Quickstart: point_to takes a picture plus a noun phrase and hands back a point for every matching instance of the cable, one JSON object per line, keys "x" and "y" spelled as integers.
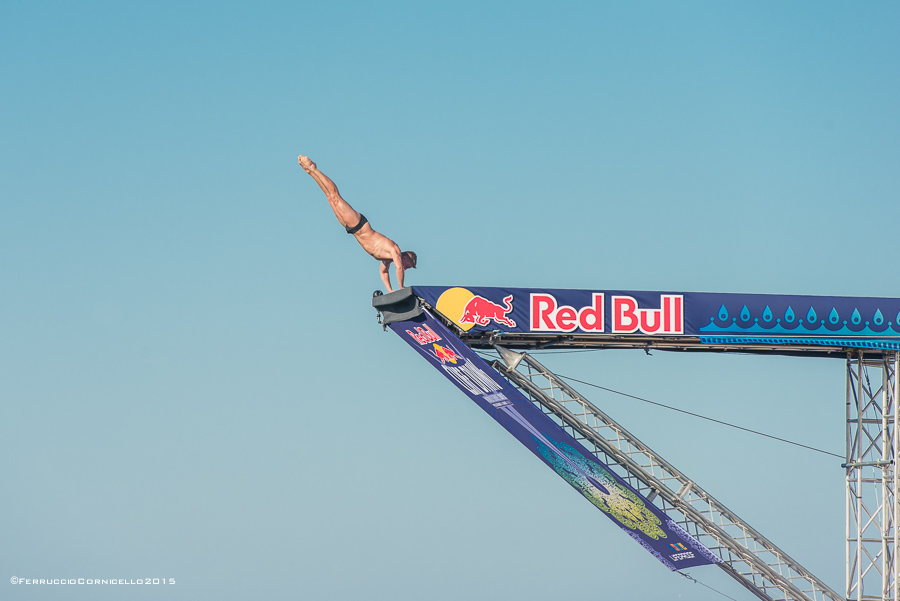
{"x": 637, "y": 398}
{"x": 695, "y": 581}
{"x": 757, "y": 432}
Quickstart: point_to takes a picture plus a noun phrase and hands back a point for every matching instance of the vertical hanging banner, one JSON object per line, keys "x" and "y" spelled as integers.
{"x": 622, "y": 504}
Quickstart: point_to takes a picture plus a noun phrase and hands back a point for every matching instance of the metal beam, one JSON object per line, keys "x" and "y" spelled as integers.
{"x": 747, "y": 556}
{"x": 526, "y": 341}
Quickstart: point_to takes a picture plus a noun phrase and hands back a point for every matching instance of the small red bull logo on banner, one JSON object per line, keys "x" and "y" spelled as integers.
{"x": 481, "y": 311}
{"x": 446, "y": 354}
{"x": 548, "y": 316}
{"x": 423, "y": 335}
{"x": 628, "y": 318}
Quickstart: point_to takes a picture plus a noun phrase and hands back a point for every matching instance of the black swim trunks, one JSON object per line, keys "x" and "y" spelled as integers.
{"x": 358, "y": 226}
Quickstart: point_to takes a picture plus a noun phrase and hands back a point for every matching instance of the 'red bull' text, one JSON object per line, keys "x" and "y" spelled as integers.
{"x": 547, "y": 315}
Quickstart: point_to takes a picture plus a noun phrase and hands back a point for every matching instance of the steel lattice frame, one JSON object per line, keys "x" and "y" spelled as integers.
{"x": 746, "y": 555}
{"x": 873, "y": 503}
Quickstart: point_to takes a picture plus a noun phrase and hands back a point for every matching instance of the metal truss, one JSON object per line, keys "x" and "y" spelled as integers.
{"x": 873, "y": 503}
{"x": 750, "y": 558}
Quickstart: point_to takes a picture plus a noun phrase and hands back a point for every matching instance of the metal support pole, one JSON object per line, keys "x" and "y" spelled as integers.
{"x": 893, "y": 382}
{"x": 873, "y": 503}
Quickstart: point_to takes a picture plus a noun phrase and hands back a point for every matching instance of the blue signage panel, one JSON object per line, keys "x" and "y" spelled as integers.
{"x": 629, "y": 510}
{"x": 715, "y": 318}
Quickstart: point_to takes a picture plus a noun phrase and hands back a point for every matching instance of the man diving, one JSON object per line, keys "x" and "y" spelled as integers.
{"x": 378, "y": 245}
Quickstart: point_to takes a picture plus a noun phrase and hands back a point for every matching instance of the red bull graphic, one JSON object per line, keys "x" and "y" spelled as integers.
{"x": 468, "y": 310}
{"x": 445, "y": 354}
{"x": 481, "y": 311}
{"x": 547, "y": 313}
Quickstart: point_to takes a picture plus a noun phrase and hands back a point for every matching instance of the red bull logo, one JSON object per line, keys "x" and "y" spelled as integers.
{"x": 547, "y": 315}
{"x": 446, "y": 354}
{"x": 481, "y": 311}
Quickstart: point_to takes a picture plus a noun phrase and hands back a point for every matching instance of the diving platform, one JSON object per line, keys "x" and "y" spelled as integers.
{"x": 648, "y": 498}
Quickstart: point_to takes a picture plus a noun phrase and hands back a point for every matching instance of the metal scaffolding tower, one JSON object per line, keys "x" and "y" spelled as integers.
{"x": 749, "y": 557}
{"x": 873, "y": 503}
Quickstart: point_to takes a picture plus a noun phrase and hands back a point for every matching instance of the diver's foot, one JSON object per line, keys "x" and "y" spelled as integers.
{"x": 306, "y": 163}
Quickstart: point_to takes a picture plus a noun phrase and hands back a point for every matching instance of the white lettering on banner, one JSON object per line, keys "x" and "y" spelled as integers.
{"x": 548, "y": 316}
{"x": 472, "y": 379}
{"x": 628, "y": 318}
{"x": 680, "y": 556}
{"x": 498, "y": 399}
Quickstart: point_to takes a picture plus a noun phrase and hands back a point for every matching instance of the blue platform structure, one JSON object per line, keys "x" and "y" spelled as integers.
{"x": 653, "y": 502}
{"x": 703, "y": 321}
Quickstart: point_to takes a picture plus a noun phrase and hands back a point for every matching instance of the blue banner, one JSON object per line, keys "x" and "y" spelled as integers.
{"x": 714, "y": 318}
{"x": 629, "y": 510}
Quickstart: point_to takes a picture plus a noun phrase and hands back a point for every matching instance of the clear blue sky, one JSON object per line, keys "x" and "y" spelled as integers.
{"x": 192, "y": 382}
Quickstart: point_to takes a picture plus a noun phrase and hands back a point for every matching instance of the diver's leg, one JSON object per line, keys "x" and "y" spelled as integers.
{"x": 346, "y": 215}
